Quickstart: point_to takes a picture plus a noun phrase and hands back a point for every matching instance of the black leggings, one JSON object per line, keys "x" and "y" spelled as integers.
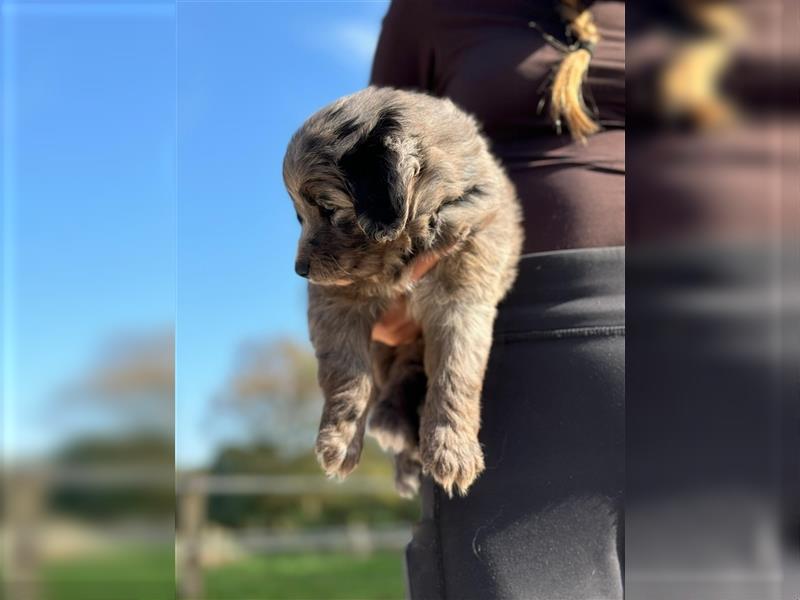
{"x": 545, "y": 520}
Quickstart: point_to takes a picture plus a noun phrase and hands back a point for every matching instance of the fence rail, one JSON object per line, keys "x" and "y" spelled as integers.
{"x": 274, "y": 485}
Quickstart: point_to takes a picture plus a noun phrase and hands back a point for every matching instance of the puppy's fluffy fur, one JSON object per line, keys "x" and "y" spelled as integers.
{"x": 379, "y": 178}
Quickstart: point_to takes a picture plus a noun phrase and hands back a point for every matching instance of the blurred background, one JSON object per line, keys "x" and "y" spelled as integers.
{"x": 158, "y": 390}
{"x": 711, "y": 498}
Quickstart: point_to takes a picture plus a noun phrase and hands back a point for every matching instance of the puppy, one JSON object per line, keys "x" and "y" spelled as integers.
{"x": 378, "y": 179}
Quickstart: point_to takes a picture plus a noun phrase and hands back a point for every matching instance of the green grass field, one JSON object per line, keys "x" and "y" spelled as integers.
{"x": 132, "y": 574}
{"x": 309, "y": 577}
{"x": 148, "y": 575}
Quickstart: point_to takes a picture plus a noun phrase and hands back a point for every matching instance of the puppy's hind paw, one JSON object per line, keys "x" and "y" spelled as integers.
{"x": 407, "y": 471}
{"x": 453, "y": 459}
{"x": 338, "y": 449}
{"x": 393, "y": 431}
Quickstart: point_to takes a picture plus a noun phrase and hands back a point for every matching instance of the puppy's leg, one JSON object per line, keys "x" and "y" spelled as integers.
{"x": 340, "y": 336}
{"x": 384, "y": 414}
{"x": 400, "y": 384}
{"x": 458, "y": 337}
{"x": 383, "y": 358}
{"x": 407, "y": 470}
{"x": 394, "y": 419}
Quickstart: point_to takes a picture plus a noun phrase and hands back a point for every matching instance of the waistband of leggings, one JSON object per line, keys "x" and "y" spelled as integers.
{"x": 566, "y": 293}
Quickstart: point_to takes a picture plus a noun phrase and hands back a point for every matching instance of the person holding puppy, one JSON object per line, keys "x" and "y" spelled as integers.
{"x": 546, "y": 82}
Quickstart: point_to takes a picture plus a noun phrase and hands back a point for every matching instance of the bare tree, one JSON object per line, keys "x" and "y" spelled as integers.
{"x": 273, "y": 391}
{"x": 130, "y": 382}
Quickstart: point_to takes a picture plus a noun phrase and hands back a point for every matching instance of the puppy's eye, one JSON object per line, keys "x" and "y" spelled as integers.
{"x": 326, "y": 212}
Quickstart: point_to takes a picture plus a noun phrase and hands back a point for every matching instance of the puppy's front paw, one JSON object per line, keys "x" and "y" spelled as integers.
{"x": 338, "y": 448}
{"x": 454, "y": 459}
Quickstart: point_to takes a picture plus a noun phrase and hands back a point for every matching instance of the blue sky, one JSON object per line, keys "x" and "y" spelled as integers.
{"x": 142, "y": 144}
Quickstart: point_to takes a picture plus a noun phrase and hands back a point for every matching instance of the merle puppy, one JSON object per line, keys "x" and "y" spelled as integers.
{"x": 378, "y": 179}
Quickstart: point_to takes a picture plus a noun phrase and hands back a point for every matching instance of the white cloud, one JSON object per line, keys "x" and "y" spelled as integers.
{"x": 351, "y": 43}
{"x": 356, "y": 41}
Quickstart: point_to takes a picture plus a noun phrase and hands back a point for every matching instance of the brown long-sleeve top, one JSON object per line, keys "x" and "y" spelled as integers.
{"x": 484, "y": 56}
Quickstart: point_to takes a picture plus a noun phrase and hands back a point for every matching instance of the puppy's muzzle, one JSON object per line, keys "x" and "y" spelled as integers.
{"x": 301, "y": 267}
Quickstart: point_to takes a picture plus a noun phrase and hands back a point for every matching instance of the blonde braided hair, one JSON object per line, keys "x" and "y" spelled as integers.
{"x": 566, "y": 94}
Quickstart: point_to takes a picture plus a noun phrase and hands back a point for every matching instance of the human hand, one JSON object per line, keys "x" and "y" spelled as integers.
{"x": 396, "y": 327}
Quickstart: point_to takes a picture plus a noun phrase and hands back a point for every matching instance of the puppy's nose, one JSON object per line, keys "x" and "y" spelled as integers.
{"x": 301, "y": 267}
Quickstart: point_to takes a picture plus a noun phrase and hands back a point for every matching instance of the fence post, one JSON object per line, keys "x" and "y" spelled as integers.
{"x": 192, "y": 516}
{"x": 24, "y": 497}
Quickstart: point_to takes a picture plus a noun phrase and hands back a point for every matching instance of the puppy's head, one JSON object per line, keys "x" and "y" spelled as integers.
{"x": 350, "y": 171}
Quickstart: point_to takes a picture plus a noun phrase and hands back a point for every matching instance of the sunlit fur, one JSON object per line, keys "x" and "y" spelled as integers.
{"x": 377, "y": 179}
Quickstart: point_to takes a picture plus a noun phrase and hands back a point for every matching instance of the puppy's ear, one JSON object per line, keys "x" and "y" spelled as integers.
{"x": 375, "y": 175}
